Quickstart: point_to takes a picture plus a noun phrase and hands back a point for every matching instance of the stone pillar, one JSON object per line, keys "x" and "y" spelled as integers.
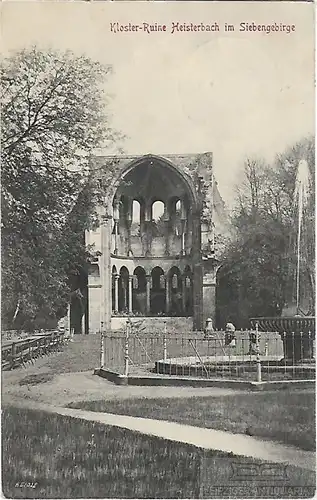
{"x": 183, "y": 242}
{"x": 183, "y": 278}
{"x": 105, "y": 273}
{"x": 148, "y": 229}
{"x": 124, "y": 294}
{"x": 197, "y": 275}
{"x": 130, "y": 292}
{"x": 129, "y": 223}
{"x": 209, "y": 295}
{"x": 116, "y": 224}
{"x": 116, "y": 237}
{"x": 116, "y": 292}
{"x": 167, "y": 294}
{"x": 167, "y": 237}
{"x": 183, "y": 226}
{"x": 148, "y": 293}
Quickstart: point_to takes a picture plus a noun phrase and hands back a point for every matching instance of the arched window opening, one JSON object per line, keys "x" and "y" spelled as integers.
{"x": 157, "y": 276}
{"x": 157, "y": 219}
{"x": 158, "y": 292}
{"x": 158, "y": 209}
{"x": 123, "y": 289}
{"x": 139, "y": 291}
{"x": 177, "y": 217}
{"x": 175, "y": 305}
{"x": 188, "y": 292}
{"x": 162, "y": 281}
{"x": 136, "y": 218}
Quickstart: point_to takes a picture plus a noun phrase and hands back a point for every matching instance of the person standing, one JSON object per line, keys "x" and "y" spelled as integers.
{"x": 230, "y": 336}
{"x": 209, "y": 329}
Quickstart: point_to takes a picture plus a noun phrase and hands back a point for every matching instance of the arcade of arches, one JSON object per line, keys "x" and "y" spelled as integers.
{"x": 150, "y": 245}
{"x": 154, "y": 293}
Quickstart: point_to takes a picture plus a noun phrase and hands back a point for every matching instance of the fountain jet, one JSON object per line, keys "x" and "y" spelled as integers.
{"x": 297, "y": 331}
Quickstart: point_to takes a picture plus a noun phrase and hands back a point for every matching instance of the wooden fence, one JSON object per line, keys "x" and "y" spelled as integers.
{"x": 20, "y": 352}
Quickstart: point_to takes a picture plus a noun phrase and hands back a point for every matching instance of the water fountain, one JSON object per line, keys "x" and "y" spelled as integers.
{"x": 296, "y": 329}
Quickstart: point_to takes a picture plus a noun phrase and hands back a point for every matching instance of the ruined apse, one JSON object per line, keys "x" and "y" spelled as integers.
{"x": 158, "y": 244}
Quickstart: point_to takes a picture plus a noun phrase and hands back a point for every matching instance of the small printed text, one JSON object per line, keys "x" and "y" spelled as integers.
{"x": 179, "y": 27}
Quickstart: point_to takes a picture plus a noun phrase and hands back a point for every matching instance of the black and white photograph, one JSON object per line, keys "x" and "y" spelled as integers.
{"x": 158, "y": 250}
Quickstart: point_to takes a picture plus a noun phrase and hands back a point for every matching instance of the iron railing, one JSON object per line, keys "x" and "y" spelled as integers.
{"x": 250, "y": 355}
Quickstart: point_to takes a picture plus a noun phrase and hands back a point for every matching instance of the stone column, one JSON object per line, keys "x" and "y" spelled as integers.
{"x": 183, "y": 278}
{"x": 209, "y": 294}
{"x": 129, "y": 223}
{"x": 116, "y": 292}
{"x": 167, "y": 294}
{"x": 188, "y": 233}
{"x": 148, "y": 229}
{"x": 130, "y": 291}
{"x": 183, "y": 226}
{"x": 148, "y": 293}
{"x": 116, "y": 223}
{"x": 183, "y": 243}
{"x": 105, "y": 273}
{"x": 167, "y": 237}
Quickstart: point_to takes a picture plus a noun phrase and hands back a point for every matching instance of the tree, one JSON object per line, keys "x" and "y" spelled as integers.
{"x": 53, "y": 116}
{"x": 257, "y": 276}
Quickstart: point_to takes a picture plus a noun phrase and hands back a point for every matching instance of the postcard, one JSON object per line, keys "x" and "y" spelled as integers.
{"x": 158, "y": 250}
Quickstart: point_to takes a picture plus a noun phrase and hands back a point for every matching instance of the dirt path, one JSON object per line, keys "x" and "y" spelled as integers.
{"x": 58, "y": 378}
{"x": 238, "y": 444}
{"x": 84, "y": 386}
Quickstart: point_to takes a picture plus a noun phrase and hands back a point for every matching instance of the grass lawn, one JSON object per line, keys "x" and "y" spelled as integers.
{"x": 286, "y": 416}
{"x": 51, "y": 456}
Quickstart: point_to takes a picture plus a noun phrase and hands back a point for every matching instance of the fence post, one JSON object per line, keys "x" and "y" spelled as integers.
{"x": 102, "y": 346}
{"x": 164, "y": 343}
{"x": 126, "y": 351}
{"x": 258, "y": 360}
{"x": 13, "y": 354}
{"x": 266, "y": 349}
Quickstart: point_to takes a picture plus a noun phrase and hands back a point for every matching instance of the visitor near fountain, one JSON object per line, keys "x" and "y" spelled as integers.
{"x": 230, "y": 336}
{"x": 209, "y": 329}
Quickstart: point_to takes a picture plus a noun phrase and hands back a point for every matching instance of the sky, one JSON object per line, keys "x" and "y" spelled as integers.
{"x": 235, "y": 94}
